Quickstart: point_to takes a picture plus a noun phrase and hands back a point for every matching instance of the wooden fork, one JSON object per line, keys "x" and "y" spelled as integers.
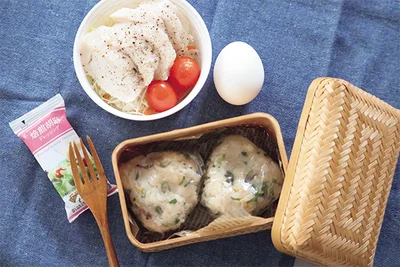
{"x": 93, "y": 190}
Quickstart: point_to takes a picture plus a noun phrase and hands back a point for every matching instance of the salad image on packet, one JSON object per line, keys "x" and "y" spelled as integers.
{"x": 47, "y": 133}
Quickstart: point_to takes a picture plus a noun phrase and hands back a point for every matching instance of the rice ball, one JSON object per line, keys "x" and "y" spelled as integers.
{"x": 163, "y": 188}
{"x": 240, "y": 177}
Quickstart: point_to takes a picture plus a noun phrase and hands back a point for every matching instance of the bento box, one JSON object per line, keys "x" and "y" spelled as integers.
{"x": 260, "y": 128}
{"x": 336, "y": 184}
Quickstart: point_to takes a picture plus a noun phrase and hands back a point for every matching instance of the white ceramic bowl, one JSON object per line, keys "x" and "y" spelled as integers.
{"x": 99, "y": 15}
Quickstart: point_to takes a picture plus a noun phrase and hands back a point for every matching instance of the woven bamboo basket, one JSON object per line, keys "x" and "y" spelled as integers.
{"x": 260, "y": 128}
{"x": 339, "y": 177}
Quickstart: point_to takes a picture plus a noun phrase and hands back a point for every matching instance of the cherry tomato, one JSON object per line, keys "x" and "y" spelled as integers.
{"x": 58, "y": 172}
{"x": 184, "y": 74}
{"x": 161, "y": 96}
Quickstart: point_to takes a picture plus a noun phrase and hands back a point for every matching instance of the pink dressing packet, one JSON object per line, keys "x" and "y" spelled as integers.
{"x": 47, "y": 133}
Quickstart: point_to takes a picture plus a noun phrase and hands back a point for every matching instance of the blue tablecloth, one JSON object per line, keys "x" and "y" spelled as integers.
{"x": 297, "y": 40}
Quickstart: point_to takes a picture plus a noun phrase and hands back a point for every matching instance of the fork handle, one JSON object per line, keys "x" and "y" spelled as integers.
{"x": 105, "y": 233}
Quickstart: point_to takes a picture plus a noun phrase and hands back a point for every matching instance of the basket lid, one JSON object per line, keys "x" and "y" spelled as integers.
{"x": 339, "y": 176}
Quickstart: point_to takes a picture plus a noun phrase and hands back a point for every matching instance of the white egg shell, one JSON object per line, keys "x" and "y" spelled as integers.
{"x": 238, "y": 73}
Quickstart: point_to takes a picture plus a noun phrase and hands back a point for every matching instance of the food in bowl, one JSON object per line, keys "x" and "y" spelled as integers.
{"x": 141, "y": 47}
{"x": 240, "y": 177}
{"x": 163, "y": 188}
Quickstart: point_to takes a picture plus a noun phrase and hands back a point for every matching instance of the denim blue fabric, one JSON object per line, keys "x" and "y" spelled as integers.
{"x": 297, "y": 41}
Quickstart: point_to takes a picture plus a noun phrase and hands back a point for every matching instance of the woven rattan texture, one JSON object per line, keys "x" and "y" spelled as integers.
{"x": 343, "y": 176}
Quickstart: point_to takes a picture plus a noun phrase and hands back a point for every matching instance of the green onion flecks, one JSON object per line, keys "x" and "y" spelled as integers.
{"x": 164, "y": 164}
{"x": 165, "y": 187}
{"x": 183, "y": 180}
{"x": 221, "y": 159}
{"x": 159, "y": 210}
{"x": 143, "y": 193}
{"x": 188, "y": 183}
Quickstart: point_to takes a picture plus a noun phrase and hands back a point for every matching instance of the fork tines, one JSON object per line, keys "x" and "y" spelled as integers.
{"x": 75, "y": 156}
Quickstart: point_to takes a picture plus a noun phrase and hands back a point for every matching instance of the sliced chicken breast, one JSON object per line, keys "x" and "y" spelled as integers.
{"x": 164, "y": 15}
{"x": 138, "y": 15}
{"x": 176, "y": 31}
{"x": 149, "y": 48}
{"x": 129, "y": 40}
{"x": 115, "y": 73}
{"x": 95, "y": 40}
{"x": 161, "y": 47}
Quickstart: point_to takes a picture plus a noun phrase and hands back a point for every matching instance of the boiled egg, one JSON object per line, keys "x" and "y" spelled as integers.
{"x": 238, "y": 73}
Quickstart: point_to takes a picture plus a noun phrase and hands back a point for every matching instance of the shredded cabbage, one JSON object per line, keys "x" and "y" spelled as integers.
{"x": 137, "y": 107}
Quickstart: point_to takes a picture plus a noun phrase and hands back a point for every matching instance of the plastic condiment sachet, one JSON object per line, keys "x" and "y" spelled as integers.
{"x": 47, "y": 133}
